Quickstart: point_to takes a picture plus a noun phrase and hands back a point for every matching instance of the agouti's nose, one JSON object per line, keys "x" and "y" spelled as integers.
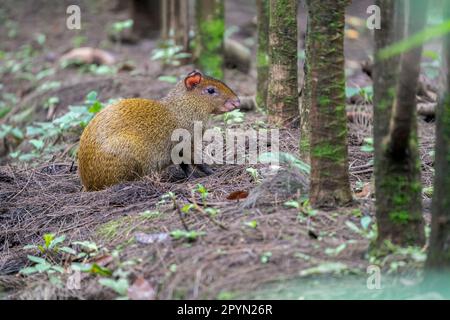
{"x": 237, "y": 103}
{"x": 232, "y": 104}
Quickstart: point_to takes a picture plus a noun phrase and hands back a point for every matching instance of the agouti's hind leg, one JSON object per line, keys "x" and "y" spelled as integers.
{"x": 193, "y": 170}
{"x": 204, "y": 168}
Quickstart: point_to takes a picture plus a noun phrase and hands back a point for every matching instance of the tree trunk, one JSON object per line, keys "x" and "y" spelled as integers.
{"x": 175, "y": 22}
{"x": 397, "y": 164}
{"x": 305, "y": 105}
{"x": 210, "y": 37}
{"x": 330, "y": 184}
{"x": 439, "y": 248}
{"x": 146, "y": 15}
{"x": 282, "y": 96}
{"x": 262, "y": 55}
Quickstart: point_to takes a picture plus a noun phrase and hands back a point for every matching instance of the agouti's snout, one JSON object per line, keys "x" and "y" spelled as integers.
{"x": 232, "y": 104}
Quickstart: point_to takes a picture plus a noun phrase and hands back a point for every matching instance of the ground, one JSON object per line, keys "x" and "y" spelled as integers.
{"x": 260, "y": 246}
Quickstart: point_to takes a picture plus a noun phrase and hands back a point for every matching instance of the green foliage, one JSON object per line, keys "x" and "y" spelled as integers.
{"x": 335, "y": 251}
{"x": 254, "y": 174}
{"x": 119, "y": 286}
{"x": 253, "y": 224}
{"x": 368, "y": 229}
{"x": 368, "y": 145}
{"x": 233, "y": 117}
{"x": 169, "y": 54}
{"x": 186, "y": 235}
{"x": 43, "y": 135}
{"x": 265, "y": 257}
{"x": 120, "y": 26}
{"x": 169, "y": 79}
{"x": 365, "y": 92}
{"x": 203, "y": 191}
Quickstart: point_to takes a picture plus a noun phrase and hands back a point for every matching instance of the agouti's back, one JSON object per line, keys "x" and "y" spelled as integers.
{"x": 132, "y": 138}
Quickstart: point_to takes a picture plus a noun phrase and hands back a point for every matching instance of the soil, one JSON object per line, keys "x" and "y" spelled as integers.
{"x": 240, "y": 249}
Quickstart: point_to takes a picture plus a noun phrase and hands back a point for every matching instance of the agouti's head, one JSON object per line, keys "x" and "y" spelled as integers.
{"x": 212, "y": 92}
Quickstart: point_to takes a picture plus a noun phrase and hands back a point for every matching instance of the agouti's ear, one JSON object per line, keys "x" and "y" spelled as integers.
{"x": 192, "y": 79}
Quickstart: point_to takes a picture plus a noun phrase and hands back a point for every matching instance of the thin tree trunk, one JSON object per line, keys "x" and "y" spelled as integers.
{"x": 305, "y": 105}
{"x": 209, "y": 43}
{"x": 439, "y": 248}
{"x": 282, "y": 96}
{"x": 397, "y": 164}
{"x": 262, "y": 55}
{"x": 330, "y": 184}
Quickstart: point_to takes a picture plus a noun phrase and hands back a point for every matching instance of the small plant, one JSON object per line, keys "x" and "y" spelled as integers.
{"x": 233, "y": 117}
{"x": 203, "y": 191}
{"x": 41, "y": 265}
{"x": 119, "y": 27}
{"x": 304, "y": 208}
{"x": 251, "y": 224}
{"x": 254, "y": 174}
{"x": 43, "y": 136}
{"x": 335, "y": 251}
{"x": 169, "y": 53}
{"x": 265, "y": 257}
{"x": 186, "y": 235}
{"x": 367, "y": 230}
{"x": 368, "y": 145}
{"x": 51, "y": 244}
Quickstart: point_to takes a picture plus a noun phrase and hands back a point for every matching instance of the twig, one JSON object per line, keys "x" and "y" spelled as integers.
{"x": 200, "y": 209}
{"x": 180, "y": 213}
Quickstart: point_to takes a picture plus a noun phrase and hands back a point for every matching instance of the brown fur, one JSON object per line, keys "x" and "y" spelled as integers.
{"x": 132, "y": 137}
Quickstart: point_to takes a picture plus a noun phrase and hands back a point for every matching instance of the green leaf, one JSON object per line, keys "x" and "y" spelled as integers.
{"x": 68, "y": 250}
{"x": 28, "y": 270}
{"x": 292, "y": 204}
{"x": 91, "y": 97}
{"x": 365, "y": 222}
{"x": 95, "y": 107}
{"x": 335, "y": 251}
{"x": 37, "y": 259}
{"x": 265, "y": 257}
{"x": 187, "y": 207}
{"x": 38, "y": 144}
{"x": 352, "y": 227}
{"x": 48, "y": 238}
{"x": 58, "y": 269}
{"x": 57, "y": 241}
{"x": 252, "y": 224}
{"x": 42, "y": 267}
{"x": 120, "y": 286}
{"x": 169, "y": 79}
{"x": 415, "y": 40}
{"x": 102, "y": 271}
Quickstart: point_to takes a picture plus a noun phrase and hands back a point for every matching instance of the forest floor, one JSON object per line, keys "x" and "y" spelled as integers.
{"x": 261, "y": 246}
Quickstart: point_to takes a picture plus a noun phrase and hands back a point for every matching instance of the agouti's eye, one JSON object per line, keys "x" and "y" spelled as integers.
{"x": 211, "y": 90}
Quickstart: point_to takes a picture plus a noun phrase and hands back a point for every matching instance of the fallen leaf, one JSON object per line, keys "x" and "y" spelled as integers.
{"x": 146, "y": 238}
{"x": 236, "y": 195}
{"x": 365, "y": 192}
{"x": 352, "y": 34}
{"x": 141, "y": 289}
{"x": 89, "y": 55}
{"x": 103, "y": 260}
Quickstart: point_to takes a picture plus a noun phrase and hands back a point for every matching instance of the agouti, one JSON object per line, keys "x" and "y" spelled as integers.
{"x": 132, "y": 138}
